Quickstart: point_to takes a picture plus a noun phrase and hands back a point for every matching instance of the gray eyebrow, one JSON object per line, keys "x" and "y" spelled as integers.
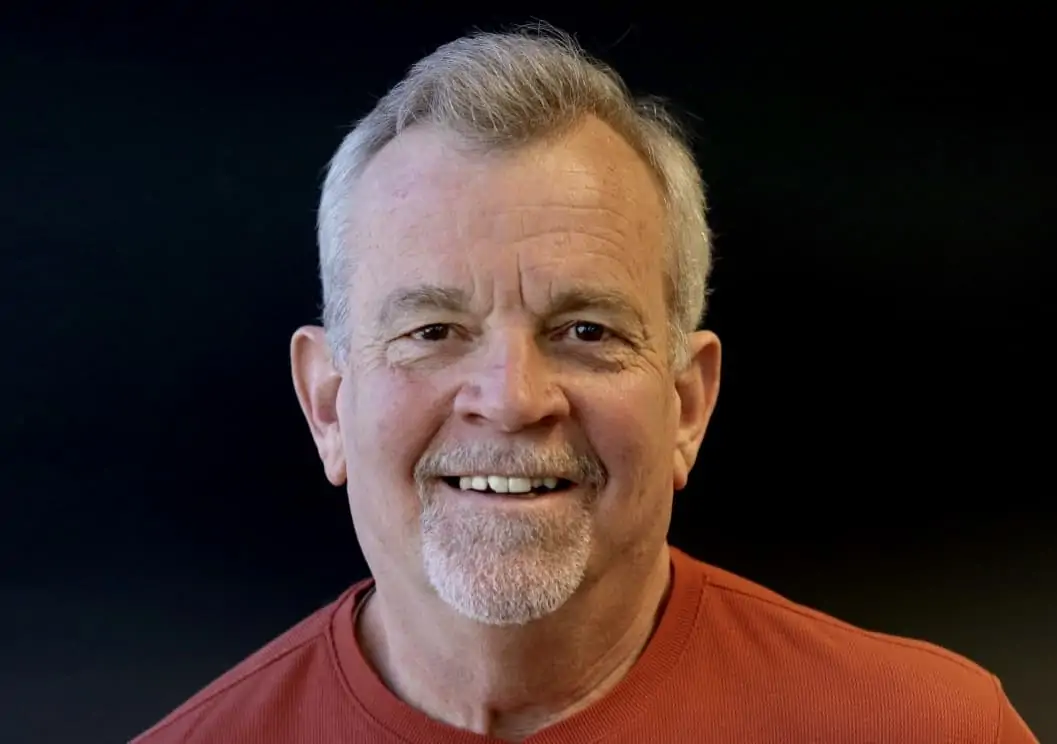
{"x": 577, "y": 299}
{"x": 409, "y": 300}
{"x": 423, "y": 297}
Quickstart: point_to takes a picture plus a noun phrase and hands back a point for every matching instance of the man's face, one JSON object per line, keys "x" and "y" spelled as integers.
{"x": 509, "y": 319}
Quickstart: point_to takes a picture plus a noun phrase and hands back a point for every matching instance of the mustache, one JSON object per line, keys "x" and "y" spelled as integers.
{"x": 523, "y": 460}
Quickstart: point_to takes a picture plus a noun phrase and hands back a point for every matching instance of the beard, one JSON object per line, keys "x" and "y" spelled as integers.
{"x": 506, "y": 566}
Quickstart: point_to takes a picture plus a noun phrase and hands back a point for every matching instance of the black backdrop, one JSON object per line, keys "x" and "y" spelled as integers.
{"x": 882, "y": 195}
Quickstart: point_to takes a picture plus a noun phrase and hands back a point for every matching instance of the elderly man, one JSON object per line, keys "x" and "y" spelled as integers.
{"x": 511, "y": 383}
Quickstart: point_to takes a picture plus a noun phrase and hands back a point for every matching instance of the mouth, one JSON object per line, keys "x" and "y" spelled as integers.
{"x": 504, "y": 485}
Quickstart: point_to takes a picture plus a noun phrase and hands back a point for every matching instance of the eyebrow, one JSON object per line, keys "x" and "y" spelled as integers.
{"x": 410, "y": 300}
{"x": 425, "y": 297}
{"x": 607, "y": 301}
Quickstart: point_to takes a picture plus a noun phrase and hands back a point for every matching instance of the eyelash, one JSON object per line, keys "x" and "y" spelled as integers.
{"x": 608, "y": 333}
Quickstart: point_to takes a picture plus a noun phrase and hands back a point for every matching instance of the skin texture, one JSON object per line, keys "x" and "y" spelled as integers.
{"x": 546, "y": 346}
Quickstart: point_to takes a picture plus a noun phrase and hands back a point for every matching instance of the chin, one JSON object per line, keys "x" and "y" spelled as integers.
{"x": 505, "y": 566}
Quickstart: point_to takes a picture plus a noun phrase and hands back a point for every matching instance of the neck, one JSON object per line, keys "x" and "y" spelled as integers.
{"x": 509, "y": 682}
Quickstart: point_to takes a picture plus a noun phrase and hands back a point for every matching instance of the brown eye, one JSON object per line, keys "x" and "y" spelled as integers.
{"x": 435, "y": 332}
{"x": 589, "y": 332}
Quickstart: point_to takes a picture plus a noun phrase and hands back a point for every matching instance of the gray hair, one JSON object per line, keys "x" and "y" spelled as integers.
{"x": 502, "y": 91}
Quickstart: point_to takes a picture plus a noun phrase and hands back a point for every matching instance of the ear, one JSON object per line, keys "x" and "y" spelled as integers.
{"x": 696, "y": 387}
{"x": 316, "y": 382}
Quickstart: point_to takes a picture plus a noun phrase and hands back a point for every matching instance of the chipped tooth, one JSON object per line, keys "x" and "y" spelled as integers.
{"x": 498, "y": 483}
{"x": 551, "y": 483}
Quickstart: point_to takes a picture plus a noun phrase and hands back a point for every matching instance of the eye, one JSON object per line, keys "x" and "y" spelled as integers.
{"x": 434, "y": 332}
{"x": 589, "y": 332}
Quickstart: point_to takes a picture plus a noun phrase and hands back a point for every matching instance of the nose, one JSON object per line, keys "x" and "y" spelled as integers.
{"x": 512, "y": 385}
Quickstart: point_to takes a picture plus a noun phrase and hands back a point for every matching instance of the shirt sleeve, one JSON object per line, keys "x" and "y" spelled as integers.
{"x": 1011, "y": 727}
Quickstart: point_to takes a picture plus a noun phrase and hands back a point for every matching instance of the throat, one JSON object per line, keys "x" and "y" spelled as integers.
{"x": 510, "y": 683}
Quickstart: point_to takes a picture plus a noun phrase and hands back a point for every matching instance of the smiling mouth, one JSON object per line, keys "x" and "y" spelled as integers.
{"x": 506, "y": 485}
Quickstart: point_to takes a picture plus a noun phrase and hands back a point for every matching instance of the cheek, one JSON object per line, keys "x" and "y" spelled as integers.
{"x": 392, "y": 420}
{"x": 386, "y": 427}
{"x": 633, "y": 432}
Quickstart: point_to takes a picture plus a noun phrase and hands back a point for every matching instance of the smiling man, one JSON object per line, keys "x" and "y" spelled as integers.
{"x": 511, "y": 384}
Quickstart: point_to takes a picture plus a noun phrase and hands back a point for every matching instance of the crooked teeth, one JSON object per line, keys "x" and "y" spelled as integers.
{"x": 499, "y": 484}
{"x": 505, "y": 484}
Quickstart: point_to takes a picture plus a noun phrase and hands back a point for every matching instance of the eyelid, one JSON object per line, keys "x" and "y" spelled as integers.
{"x": 610, "y": 331}
{"x": 561, "y": 330}
{"x": 453, "y": 328}
{"x": 426, "y": 326}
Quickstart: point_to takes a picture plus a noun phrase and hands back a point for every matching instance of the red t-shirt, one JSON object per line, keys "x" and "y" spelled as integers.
{"x": 730, "y": 661}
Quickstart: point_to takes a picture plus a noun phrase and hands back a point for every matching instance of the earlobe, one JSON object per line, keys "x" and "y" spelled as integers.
{"x": 697, "y": 388}
{"x": 316, "y": 383}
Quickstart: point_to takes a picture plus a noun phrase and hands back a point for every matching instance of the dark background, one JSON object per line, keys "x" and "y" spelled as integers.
{"x": 882, "y": 192}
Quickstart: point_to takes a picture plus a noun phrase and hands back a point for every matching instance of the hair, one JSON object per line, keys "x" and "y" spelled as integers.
{"x": 501, "y": 91}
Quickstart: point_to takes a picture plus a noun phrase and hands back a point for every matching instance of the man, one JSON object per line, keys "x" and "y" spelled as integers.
{"x": 511, "y": 384}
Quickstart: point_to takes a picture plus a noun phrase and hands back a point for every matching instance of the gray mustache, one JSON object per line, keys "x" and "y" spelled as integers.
{"x": 521, "y": 460}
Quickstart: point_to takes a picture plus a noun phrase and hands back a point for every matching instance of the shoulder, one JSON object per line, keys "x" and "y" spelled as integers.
{"x": 918, "y": 688}
{"x": 259, "y": 684}
{"x": 743, "y": 600}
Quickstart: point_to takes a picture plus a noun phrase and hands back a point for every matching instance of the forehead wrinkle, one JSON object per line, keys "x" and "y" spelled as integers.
{"x": 541, "y": 219}
{"x": 406, "y": 204}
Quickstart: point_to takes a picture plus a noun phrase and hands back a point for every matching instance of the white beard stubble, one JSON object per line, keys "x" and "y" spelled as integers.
{"x": 504, "y": 566}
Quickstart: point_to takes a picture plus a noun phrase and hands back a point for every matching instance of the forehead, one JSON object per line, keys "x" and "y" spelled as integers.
{"x": 583, "y": 206}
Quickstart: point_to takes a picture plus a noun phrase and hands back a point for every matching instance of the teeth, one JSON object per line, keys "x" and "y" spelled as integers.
{"x": 518, "y": 485}
{"x": 505, "y": 484}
